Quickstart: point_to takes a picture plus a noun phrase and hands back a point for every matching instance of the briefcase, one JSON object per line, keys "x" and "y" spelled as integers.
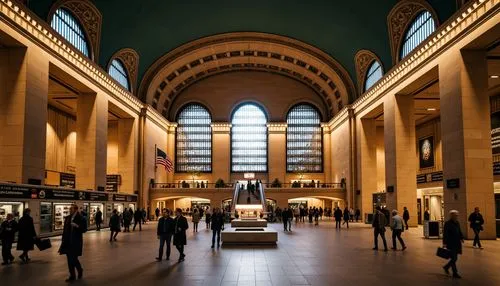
{"x": 43, "y": 244}
{"x": 443, "y": 253}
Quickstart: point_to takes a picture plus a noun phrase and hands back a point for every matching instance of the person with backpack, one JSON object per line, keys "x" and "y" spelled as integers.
{"x": 378, "y": 224}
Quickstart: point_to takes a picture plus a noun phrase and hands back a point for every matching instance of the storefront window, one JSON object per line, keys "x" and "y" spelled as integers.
{"x": 60, "y": 212}
{"x": 93, "y": 211}
{"x": 118, "y": 207}
{"x": 15, "y": 208}
{"x": 45, "y": 217}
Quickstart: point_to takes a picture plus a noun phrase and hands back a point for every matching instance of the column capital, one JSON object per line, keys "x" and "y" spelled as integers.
{"x": 221, "y": 127}
{"x": 277, "y": 127}
{"x": 171, "y": 128}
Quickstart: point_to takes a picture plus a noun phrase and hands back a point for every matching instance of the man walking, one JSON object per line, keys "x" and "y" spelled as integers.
{"x": 217, "y": 224}
{"x": 98, "y": 219}
{"x": 138, "y": 219}
{"x": 8, "y": 230}
{"x": 72, "y": 241}
{"x": 285, "y": 219}
{"x": 181, "y": 225}
{"x": 452, "y": 240}
{"x": 338, "y": 217}
{"x": 379, "y": 223}
{"x": 164, "y": 232}
{"x": 397, "y": 228}
{"x": 476, "y": 223}
{"x": 406, "y": 217}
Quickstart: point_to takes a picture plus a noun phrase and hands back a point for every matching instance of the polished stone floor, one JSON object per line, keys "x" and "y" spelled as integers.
{"x": 307, "y": 256}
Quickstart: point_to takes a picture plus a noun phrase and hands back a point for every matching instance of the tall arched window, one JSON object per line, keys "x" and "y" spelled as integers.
{"x": 68, "y": 26}
{"x": 194, "y": 140}
{"x": 373, "y": 74}
{"x": 422, "y": 27}
{"x": 304, "y": 141}
{"x": 249, "y": 139}
{"x": 119, "y": 73}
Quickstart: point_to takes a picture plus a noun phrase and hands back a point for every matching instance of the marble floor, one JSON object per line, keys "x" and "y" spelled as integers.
{"x": 309, "y": 255}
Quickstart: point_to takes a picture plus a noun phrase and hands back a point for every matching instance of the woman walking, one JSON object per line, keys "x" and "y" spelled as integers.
{"x": 196, "y": 220}
{"x": 27, "y": 235}
{"x": 114, "y": 226}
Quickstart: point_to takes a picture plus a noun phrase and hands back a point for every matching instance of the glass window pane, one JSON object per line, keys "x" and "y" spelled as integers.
{"x": 118, "y": 72}
{"x": 249, "y": 139}
{"x": 67, "y": 26}
{"x": 194, "y": 140}
{"x": 421, "y": 28}
{"x": 373, "y": 75}
{"x": 304, "y": 141}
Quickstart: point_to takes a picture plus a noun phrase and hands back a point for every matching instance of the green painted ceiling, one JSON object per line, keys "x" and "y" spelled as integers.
{"x": 155, "y": 27}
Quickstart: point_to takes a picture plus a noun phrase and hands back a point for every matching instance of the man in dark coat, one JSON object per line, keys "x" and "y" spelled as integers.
{"x": 72, "y": 241}
{"x": 216, "y": 225}
{"x": 378, "y": 224}
{"x": 338, "y": 217}
{"x": 285, "y": 218}
{"x": 346, "y": 216}
{"x": 476, "y": 223}
{"x": 27, "y": 235}
{"x": 138, "y": 219}
{"x": 98, "y": 219}
{"x": 406, "y": 216}
{"x": 181, "y": 225}
{"x": 166, "y": 227}
{"x": 114, "y": 225}
{"x": 7, "y": 233}
{"x": 452, "y": 240}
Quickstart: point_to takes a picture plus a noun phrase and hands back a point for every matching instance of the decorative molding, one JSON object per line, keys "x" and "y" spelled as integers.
{"x": 221, "y": 127}
{"x": 400, "y": 17}
{"x": 130, "y": 59}
{"x": 277, "y": 127}
{"x": 188, "y": 64}
{"x": 89, "y": 17}
{"x": 363, "y": 60}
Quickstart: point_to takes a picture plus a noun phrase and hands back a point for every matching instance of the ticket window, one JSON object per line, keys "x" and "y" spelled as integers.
{"x": 93, "y": 211}
{"x": 60, "y": 212}
{"x": 15, "y": 208}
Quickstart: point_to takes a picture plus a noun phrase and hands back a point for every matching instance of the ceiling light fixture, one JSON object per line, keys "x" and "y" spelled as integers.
{"x": 431, "y": 109}
{"x": 494, "y": 76}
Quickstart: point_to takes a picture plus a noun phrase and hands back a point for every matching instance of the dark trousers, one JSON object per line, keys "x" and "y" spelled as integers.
{"x": 98, "y": 226}
{"x": 376, "y": 233}
{"x": 195, "y": 227}
{"x": 406, "y": 224}
{"x": 113, "y": 235}
{"x": 165, "y": 239}
{"x": 346, "y": 222}
{"x": 337, "y": 224}
{"x": 6, "y": 250}
{"x": 285, "y": 224}
{"x": 310, "y": 218}
{"x": 180, "y": 248}
{"x": 215, "y": 232}
{"x": 137, "y": 222}
{"x": 290, "y": 224}
{"x": 453, "y": 262}
{"x": 476, "y": 237}
{"x": 73, "y": 263}
{"x": 396, "y": 233}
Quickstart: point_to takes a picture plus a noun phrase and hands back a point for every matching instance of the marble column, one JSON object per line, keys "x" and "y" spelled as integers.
{"x": 221, "y": 151}
{"x": 327, "y": 152}
{"x": 171, "y": 133}
{"x": 367, "y": 163}
{"x": 127, "y": 154}
{"x": 400, "y": 150}
{"x": 91, "y": 141}
{"x": 277, "y": 151}
{"x": 466, "y": 136}
{"x": 24, "y": 77}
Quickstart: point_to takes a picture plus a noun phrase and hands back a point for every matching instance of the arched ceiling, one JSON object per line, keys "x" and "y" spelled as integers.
{"x": 154, "y": 28}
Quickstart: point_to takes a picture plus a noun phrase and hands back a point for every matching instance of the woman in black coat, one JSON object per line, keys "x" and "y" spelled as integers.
{"x": 72, "y": 241}
{"x": 27, "y": 235}
{"x": 181, "y": 225}
{"x": 114, "y": 225}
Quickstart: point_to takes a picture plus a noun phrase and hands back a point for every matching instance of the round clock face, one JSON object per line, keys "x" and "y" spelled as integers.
{"x": 426, "y": 150}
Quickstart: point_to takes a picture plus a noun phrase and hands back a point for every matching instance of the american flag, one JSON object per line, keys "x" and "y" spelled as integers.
{"x": 163, "y": 159}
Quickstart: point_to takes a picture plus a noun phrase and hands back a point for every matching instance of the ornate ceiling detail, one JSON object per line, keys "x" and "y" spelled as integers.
{"x": 89, "y": 17}
{"x": 130, "y": 59}
{"x": 186, "y": 65}
{"x": 400, "y": 17}
{"x": 363, "y": 59}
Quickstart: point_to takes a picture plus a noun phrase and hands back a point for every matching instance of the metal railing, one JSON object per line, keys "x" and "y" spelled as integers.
{"x": 191, "y": 185}
{"x": 296, "y": 185}
{"x": 302, "y": 185}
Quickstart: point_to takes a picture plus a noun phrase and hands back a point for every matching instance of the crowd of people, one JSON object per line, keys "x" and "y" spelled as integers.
{"x": 175, "y": 224}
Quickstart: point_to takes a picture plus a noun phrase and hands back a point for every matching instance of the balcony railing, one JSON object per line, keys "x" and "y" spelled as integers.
{"x": 191, "y": 185}
{"x": 295, "y": 185}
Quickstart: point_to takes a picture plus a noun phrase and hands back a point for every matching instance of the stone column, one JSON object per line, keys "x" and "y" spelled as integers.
{"x": 327, "y": 153}
{"x": 171, "y": 132}
{"x": 277, "y": 151}
{"x": 221, "y": 151}
{"x": 127, "y": 156}
{"x": 367, "y": 163}
{"x": 466, "y": 136}
{"x": 91, "y": 141}
{"x": 24, "y": 77}
{"x": 400, "y": 163}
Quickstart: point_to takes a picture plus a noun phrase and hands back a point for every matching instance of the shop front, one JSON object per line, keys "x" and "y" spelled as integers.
{"x": 50, "y": 205}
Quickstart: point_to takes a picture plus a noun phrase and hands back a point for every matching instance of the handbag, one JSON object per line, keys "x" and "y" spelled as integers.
{"x": 443, "y": 253}
{"x": 43, "y": 244}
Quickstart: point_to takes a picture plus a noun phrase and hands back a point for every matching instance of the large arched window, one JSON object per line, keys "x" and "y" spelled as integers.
{"x": 119, "y": 73}
{"x": 194, "y": 140}
{"x": 68, "y": 26}
{"x": 373, "y": 74}
{"x": 304, "y": 140}
{"x": 422, "y": 27}
{"x": 249, "y": 139}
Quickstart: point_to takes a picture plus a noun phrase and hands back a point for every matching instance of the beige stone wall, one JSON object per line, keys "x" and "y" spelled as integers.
{"x": 112, "y": 152}
{"x": 61, "y": 142}
{"x": 221, "y": 93}
{"x": 340, "y": 154}
{"x": 380, "y": 159}
{"x": 153, "y": 135}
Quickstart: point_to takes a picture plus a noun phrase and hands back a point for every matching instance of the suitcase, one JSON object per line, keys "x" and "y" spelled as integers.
{"x": 43, "y": 244}
{"x": 443, "y": 253}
